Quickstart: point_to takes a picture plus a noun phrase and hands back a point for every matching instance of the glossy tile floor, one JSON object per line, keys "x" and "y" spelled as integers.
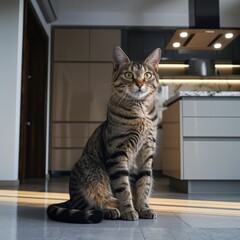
{"x": 180, "y": 216}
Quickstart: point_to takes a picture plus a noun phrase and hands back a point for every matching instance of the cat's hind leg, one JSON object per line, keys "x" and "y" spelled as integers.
{"x": 89, "y": 178}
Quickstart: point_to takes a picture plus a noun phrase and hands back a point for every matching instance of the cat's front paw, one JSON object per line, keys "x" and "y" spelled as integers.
{"x": 147, "y": 213}
{"x": 111, "y": 213}
{"x": 129, "y": 216}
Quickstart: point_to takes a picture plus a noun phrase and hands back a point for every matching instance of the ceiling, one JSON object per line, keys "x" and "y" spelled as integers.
{"x": 118, "y": 5}
{"x": 121, "y": 12}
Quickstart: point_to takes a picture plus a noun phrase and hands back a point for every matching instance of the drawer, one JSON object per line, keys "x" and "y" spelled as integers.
{"x": 72, "y": 130}
{"x": 211, "y": 160}
{"x": 93, "y": 127}
{"x": 211, "y": 107}
{"x": 69, "y": 142}
{"x": 64, "y": 159}
{"x": 70, "y": 134}
{"x": 211, "y": 127}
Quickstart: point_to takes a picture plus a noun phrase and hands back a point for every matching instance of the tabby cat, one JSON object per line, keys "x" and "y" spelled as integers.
{"x": 113, "y": 177}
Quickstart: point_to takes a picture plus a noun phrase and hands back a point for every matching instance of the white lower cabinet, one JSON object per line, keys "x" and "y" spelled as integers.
{"x": 211, "y": 159}
{"x": 201, "y": 139}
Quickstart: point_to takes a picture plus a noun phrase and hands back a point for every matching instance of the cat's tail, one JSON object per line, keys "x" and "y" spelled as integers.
{"x": 62, "y": 213}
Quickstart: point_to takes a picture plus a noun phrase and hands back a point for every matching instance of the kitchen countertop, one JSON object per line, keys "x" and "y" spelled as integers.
{"x": 181, "y": 94}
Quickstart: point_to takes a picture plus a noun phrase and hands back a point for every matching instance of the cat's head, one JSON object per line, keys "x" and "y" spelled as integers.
{"x": 136, "y": 80}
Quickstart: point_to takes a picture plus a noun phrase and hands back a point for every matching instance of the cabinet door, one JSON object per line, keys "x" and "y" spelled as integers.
{"x": 211, "y": 127}
{"x": 102, "y": 42}
{"x": 71, "y": 44}
{"x": 99, "y": 90}
{"x": 211, "y": 107}
{"x": 172, "y": 140}
{"x": 64, "y": 159}
{"x": 69, "y": 135}
{"x": 70, "y": 92}
{"x": 211, "y": 159}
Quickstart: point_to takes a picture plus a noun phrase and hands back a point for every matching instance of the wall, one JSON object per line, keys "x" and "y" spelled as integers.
{"x": 47, "y": 28}
{"x": 229, "y": 13}
{"x": 137, "y": 13}
{"x": 11, "y": 25}
{"x": 127, "y": 13}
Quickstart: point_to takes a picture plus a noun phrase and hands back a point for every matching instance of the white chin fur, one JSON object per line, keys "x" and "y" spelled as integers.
{"x": 138, "y": 94}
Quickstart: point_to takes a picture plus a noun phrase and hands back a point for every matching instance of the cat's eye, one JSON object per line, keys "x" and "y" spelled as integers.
{"x": 128, "y": 75}
{"x": 147, "y": 75}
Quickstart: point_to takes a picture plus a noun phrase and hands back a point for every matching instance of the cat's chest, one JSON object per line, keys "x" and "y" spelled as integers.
{"x": 144, "y": 121}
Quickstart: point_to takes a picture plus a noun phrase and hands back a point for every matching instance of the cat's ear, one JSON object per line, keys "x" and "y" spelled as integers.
{"x": 119, "y": 57}
{"x": 154, "y": 58}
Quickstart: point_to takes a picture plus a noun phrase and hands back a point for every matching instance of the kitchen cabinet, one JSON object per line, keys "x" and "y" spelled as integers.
{"x": 102, "y": 42}
{"x": 81, "y": 91}
{"x": 81, "y": 88}
{"x": 68, "y": 141}
{"x": 201, "y": 142}
{"x": 71, "y": 44}
{"x": 70, "y": 92}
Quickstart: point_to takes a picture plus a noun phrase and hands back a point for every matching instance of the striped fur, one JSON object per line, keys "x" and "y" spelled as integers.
{"x": 113, "y": 177}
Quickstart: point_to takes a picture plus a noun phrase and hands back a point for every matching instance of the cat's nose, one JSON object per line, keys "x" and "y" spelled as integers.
{"x": 139, "y": 83}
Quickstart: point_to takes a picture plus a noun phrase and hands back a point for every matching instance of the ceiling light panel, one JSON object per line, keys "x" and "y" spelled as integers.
{"x": 183, "y": 34}
{"x": 201, "y": 39}
{"x": 217, "y": 45}
{"x": 229, "y": 35}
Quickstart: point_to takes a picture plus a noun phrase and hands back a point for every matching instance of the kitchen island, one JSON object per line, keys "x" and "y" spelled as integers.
{"x": 201, "y": 142}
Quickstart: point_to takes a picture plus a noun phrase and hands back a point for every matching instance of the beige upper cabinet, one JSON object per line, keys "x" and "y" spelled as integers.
{"x": 70, "y": 100}
{"x": 82, "y": 73}
{"x": 71, "y": 44}
{"x": 100, "y": 85}
{"x": 102, "y": 42}
{"x": 81, "y": 88}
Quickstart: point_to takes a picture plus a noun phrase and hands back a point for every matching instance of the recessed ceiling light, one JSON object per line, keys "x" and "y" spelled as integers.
{"x": 228, "y": 35}
{"x": 217, "y": 45}
{"x": 176, "y": 44}
{"x": 183, "y": 34}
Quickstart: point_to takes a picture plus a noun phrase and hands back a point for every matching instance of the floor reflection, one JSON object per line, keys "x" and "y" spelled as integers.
{"x": 180, "y": 216}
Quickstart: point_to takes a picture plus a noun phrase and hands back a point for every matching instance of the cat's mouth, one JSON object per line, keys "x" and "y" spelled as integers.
{"x": 141, "y": 89}
{"x": 139, "y": 93}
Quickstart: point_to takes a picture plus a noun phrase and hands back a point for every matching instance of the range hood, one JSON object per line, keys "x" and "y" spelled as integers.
{"x": 204, "y": 32}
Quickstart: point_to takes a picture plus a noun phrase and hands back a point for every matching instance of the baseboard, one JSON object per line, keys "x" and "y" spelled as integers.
{"x": 157, "y": 173}
{"x": 13, "y": 183}
{"x": 206, "y": 186}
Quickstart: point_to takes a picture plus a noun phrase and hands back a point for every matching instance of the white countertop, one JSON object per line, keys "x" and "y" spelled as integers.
{"x": 181, "y": 94}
